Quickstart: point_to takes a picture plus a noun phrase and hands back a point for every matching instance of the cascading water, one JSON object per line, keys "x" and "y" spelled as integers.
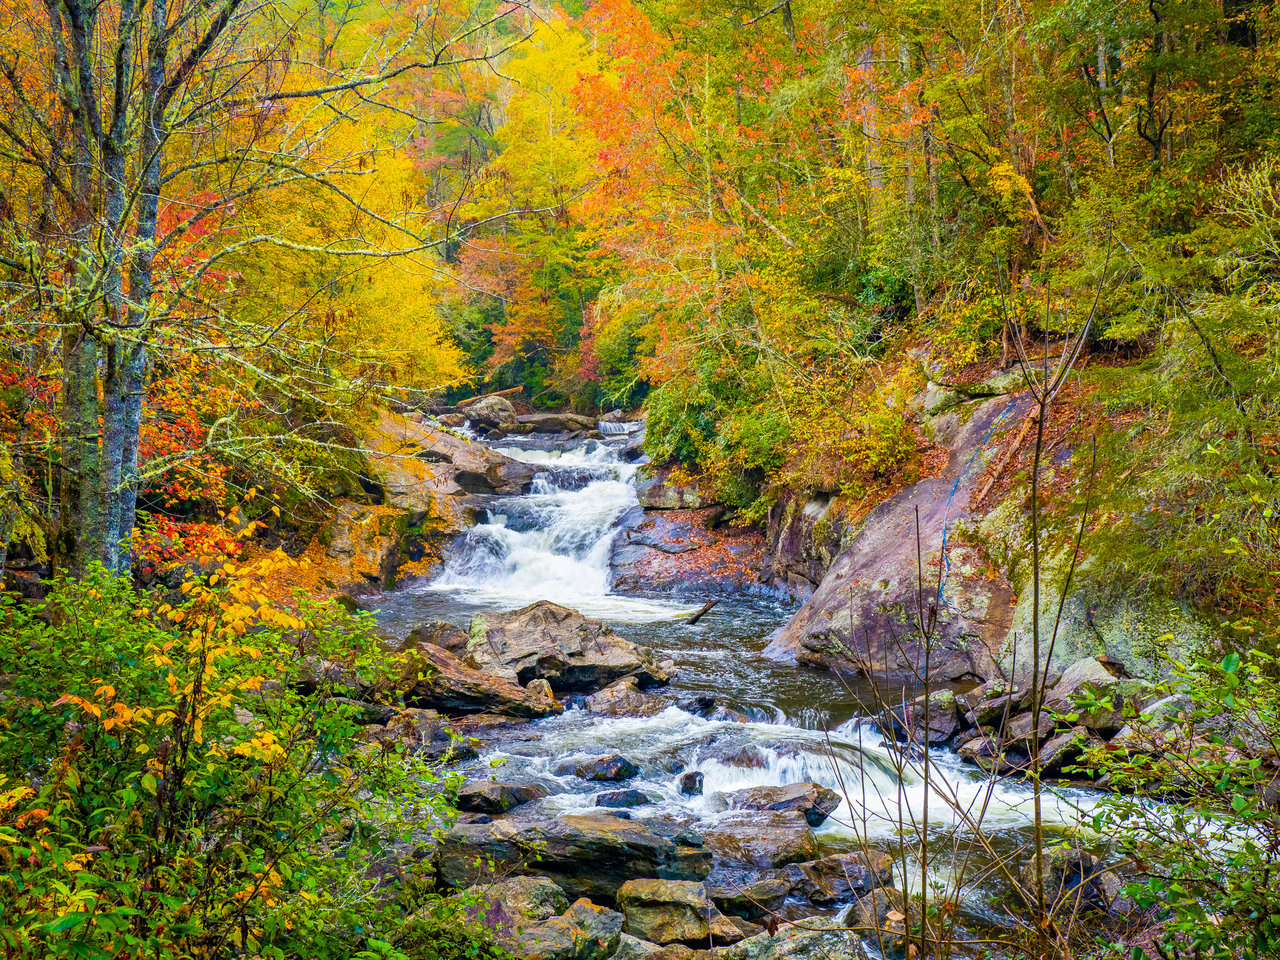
{"x": 786, "y": 725}
{"x": 554, "y": 543}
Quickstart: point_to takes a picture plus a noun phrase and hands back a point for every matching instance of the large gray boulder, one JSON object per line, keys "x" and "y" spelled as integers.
{"x": 862, "y": 617}
{"x": 588, "y": 855}
{"x": 839, "y": 877}
{"x": 1101, "y": 701}
{"x": 557, "y": 422}
{"x": 762, "y": 839}
{"x": 571, "y": 652}
{"x": 494, "y": 412}
{"x": 666, "y": 911}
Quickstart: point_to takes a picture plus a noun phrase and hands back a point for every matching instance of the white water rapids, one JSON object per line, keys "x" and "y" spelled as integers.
{"x": 554, "y": 543}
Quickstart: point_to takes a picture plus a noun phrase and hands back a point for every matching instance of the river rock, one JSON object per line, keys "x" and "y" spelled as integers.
{"x": 753, "y": 901}
{"x": 521, "y": 899}
{"x": 495, "y": 412}
{"x": 666, "y": 911}
{"x": 1022, "y": 733}
{"x": 840, "y": 877}
{"x": 814, "y": 938}
{"x": 1087, "y": 682}
{"x": 588, "y": 855}
{"x": 633, "y": 948}
{"x": 624, "y": 699}
{"x": 488, "y": 796}
{"x": 1067, "y": 872}
{"x": 691, "y": 783}
{"x": 862, "y": 617}
{"x": 984, "y": 751}
{"x": 584, "y": 932}
{"x": 814, "y": 801}
{"x": 571, "y": 652}
{"x": 906, "y": 721}
{"x": 995, "y": 702}
{"x": 433, "y": 677}
{"x": 1065, "y": 748}
{"x": 557, "y": 422}
{"x": 611, "y": 768}
{"x": 876, "y": 911}
{"x": 428, "y": 735}
{"x": 446, "y": 636}
{"x": 622, "y": 799}
{"x": 762, "y": 839}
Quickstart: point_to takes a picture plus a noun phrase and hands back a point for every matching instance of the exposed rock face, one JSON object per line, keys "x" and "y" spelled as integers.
{"x": 660, "y": 492}
{"x": 804, "y": 536}
{"x": 589, "y": 855}
{"x": 551, "y": 642}
{"x": 622, "y": 799}
{"x": 813, "y": 801}
{"x": 433, "y": 677}
{"x": 863, "y": 614}
{"x": 432, "y": 476}
{"x": 907, "y": 721}
{"x": 488, "y": 796}
{"x": 522, "y": 899}
{"x": 764, "y": 839}
{"x": 1090, "y": 680}
{"x": 682, "y": 551}
{"x": 447, "y": 636}
{"x": 366, "y": 541}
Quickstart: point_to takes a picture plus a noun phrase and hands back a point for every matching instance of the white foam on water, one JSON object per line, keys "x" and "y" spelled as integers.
{"x": 555, "y": 542}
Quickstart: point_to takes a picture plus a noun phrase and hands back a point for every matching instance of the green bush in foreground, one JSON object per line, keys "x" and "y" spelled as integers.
{"x": 166, "y": 791}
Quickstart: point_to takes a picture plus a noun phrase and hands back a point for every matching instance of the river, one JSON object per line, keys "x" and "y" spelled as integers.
{"x": 793, "y": 724}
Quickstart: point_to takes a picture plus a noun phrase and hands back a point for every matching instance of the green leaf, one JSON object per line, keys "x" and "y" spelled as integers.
{"x": 1231, "y": 662}
{"x": 68, "y": 922}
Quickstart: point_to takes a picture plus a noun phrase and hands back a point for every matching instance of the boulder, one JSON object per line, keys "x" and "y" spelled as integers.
{"x": 813, "y": 801}
{"x": 814, "y": 938}
{"x": 551, "y": 642}
{"x": 984, "y": 751}
{"x": 666, "y": 911}
{"x": 762, "y": 839}
{"x": 584, "y": 932}
{"x": 729, "y": 930}
{"x": 881, "y": 911}
{"x": 1066, "y": 872}
{"x": 433, "y": 476}
{"x": 622, "y": 799}
{"x": 446, "y": 636}
{"x": 995, "y": 702}
{"x": 602, "y": 769}
{"x": 522, "y": 899}
{"x": 434, "y": 677}
{"x": 489, "y": 796}
{"x": 557, "y": 422}
{"x": 429, "y": 736}
{"x": 1083, "y": 687}
{"x": 633, "y": 948}
{"x": 1023, "y": 732}
{"x": 661, "y": 492}
{"x": 906, "y": 721}
{"x": 691, "y": 783}
{"x": 588, "y": 855}
{"x": 624, "y": 699}
{"x": 495, "y": 412}
{"x": 752, "y": 901}
{"x": 1065, "y": 748}
{"x": 862, "y": 616}
{"x": 838, "y": 878}
{"x": 365, "y": 541}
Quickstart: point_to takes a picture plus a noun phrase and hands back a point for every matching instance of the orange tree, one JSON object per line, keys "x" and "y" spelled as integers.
{"x": 167, "y": 789}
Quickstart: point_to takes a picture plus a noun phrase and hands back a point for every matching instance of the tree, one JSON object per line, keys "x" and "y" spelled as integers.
{"x": 112, "y": 114}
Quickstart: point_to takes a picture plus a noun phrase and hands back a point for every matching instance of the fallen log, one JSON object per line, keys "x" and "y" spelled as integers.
{"x": 706, "y": 608}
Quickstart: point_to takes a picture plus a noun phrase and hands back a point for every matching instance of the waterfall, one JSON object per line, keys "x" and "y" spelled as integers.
{"x": 555, "y": 542}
